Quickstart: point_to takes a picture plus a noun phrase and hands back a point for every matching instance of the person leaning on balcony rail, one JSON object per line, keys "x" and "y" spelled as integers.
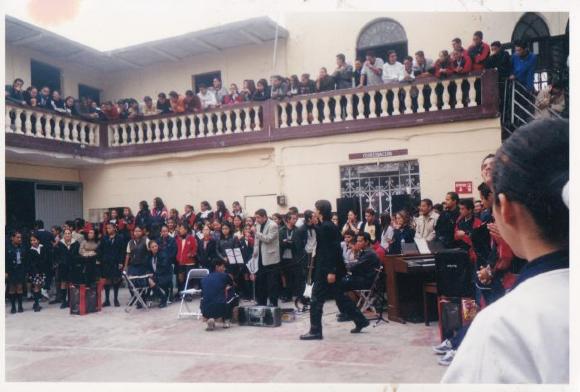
{"x": 293, "y": 86}
{"x": 393, "y": 71}
{"x": 56, "y": 102}
{"x": 279, "y": 87}
{"x": 163, "y": 105}
{"x": 372, "y": 70}
{"x": 14, "y": 92}
{"x": 325, "y": 82}
{"x": 71, "y": 106}
{"x": 207, "y": 98}
{"x": 234, "y": 96}
{"x": 500, "y": 60}
{"x": 523, "y": 65}
{"x": 356, "y": 74}
{"x": 148, "y": 108}
{"x": 478, "y": 51}
{"x": 342, "y": 75}
{"x": 248, "y": 89}
{"x": 177, "y": 102}
{"x": 192, "y": 102}
{"x": 218, "y": 90}
{"x": 110, "y": 111}
{"x": 262, "y": 92}
{"x": 422, "y": 66}
{"x": 134, "y": 111}
{"x": 31, "y": 92}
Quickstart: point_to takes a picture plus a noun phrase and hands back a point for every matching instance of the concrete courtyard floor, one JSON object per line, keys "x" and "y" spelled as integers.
{"x": 154, "y": 346}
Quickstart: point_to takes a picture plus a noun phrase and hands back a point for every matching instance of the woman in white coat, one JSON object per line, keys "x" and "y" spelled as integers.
{"x": 524, "y": 336}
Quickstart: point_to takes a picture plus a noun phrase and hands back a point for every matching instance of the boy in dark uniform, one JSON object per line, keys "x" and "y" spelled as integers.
{"x": 15, "y": 270}
{"x": 112, "y": 256}
{"x": 214, "y": 304}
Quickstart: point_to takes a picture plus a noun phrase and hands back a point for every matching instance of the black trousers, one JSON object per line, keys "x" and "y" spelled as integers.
{"x": 344, "y": 303}
{"x": 268, "y": 285}
{"x": 321, "y": 291}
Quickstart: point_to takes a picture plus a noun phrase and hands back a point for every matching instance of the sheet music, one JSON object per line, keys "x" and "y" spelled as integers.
{"x": 422, "y": 246}
{"x": 234, "y": 256}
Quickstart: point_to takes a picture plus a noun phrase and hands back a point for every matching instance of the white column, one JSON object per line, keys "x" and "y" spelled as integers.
{"x": 326, "y": 110}
{"x": 256, "y": 119}
{"x": 420, "y": 99}
{"x": 27, "y": 123}
{"x": 408, "y": 101}
{"x": 83, "y": 133}
{"x": 446, "y": 95}
{"x": 66, "y": 131}
{"x": 237, "y": 123}
{"x": 116, "y": 137}
{"x": 165, "y": 123}
{"x": 18, "y": 121}
{"x": 175, "y": 130}
{"x": 433, "y": 97}
{"x": 372, "y": 104}
{"x": 192, "y": 126}
{"x": 140, "y": 132}
{"x": 471, "y": 81}
{"x": 157, "y": 124}
{"x": 396, "y": 102}
{"x": 37, "y": 124}
{"x": 75, "y": 132}
{"x": 283, "y": 115}
{"x": 92, "y": 134}
{"x": 360, "y": 107}
{"x": 132, "y": 133}
{"x": 294, "y": 113}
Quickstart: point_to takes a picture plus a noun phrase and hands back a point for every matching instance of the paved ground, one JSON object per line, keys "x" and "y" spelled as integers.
{"x": 155, "y": 346}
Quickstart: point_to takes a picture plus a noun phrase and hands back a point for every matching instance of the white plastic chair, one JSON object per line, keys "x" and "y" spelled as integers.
{"x": 192, "y": 274}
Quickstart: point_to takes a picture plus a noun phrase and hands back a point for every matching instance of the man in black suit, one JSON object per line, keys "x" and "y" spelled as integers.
{"x": 329, "y": 267}
{"x": 361, "y": 277}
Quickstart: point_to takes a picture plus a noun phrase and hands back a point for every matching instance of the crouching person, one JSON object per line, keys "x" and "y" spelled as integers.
{"x": 161, "y": 273}
{"x": 214, "y": 296}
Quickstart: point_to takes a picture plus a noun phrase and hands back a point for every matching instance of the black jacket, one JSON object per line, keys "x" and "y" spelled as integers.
{"x": 445, "y": 227}
{"x": 112, "y": 251}
{"x": 328, "y": 259}
{"x": 38, "y": 263}
{"x": 11, "y": 260}
{"x": 500, "y": 61}
{"x": 261, "y": 95}
{"x": 143, "y": 218}
{"x": 226, "y": 243}
{"x": 366, "y": 265}
{"x": 206, "y": 256}
{"x": 67, "y": 256}
{"x": 291, "y": 243}
{"x": 407, "y": 234}
{"x": 301, "y": 237}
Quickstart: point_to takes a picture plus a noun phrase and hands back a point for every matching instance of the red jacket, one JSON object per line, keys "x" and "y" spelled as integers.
{"x": 190, "y": 220}
{"x": 478, "y": 59}
{"x": 186, "y": 250}
{"x": 441, "y": 70}
{"x": 230, "y": 100}
{"x": 467, "y": 238}
{"x": 465, "y": 63}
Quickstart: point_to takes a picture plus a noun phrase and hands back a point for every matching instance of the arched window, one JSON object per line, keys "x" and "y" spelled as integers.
{"x": 530, "y": 26}
{"x": 382, "y": 35}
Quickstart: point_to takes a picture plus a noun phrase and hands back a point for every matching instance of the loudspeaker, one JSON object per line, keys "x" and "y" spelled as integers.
{"x": 346, "y": 204}
{"x": 454, "y": 273}
{"x": 401, "y": 202}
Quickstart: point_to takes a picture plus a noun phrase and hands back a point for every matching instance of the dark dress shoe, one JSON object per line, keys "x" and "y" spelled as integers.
{"x": 106, "y": 303}
{"x": 117, "y": 304}
{"x": 360, "y": 326}
{"x": 163, "y": 304}
{"x": 13, "y": 310}
{"x": 64, "y": 305}
{"x": 341, "y": 318}
{"x": 311, "y": 336}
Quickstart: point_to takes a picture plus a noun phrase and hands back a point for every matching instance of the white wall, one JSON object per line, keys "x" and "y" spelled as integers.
{"x": 18, "y": 61}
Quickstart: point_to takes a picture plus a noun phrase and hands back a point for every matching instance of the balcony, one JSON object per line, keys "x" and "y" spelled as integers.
{"x": 424, "y": 101}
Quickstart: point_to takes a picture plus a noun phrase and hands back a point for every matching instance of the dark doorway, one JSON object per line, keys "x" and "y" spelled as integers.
{"x": 381, "y": 51}
{"x": 90, "y": 92}
{"x": 20, "y": 204}
{"x": 380, "y": 36}
{"x": 206, "y": 79}
{"x": 44, "y": 75}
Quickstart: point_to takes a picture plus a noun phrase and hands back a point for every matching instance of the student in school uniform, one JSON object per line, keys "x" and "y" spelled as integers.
{"x": 206, "y": 249}
{"x": 16, "y": 269}
{"x": 188, "y": 216}
{"x": 403, "y": 232}
{"x": 136, "y": 261}
{"x": 168, "y": 249}
{"x": 112, "y": 257}
{"x": 465, "y": 226}
{"x": 159, "y": 214}
{"x": 289, "y": 265}
{"x": 186, "y": 255}
{"x": 214, "y": 303}
{"x": 228, "y": 242}
{"x": 161, "y": 269}
{"x": 221, "y": 213}
{"x": 205, "y": 214}
{"x": 38, "y": 267}
{"x": 66, "y": 255}
{"x": 143, "y": 218}
{"x": 88, "y": 254}
{"x": 128, "y": 223}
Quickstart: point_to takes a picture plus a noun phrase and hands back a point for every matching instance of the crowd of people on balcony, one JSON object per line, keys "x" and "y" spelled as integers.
{"x": 370, "y": 71}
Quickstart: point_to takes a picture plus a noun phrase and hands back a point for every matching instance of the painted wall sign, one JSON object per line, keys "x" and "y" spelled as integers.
{"x": 378, "y": 154}
{"x": 463, "y": 187}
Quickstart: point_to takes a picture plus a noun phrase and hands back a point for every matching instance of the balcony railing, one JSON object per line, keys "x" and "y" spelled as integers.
{"x": 395, "y": 105}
